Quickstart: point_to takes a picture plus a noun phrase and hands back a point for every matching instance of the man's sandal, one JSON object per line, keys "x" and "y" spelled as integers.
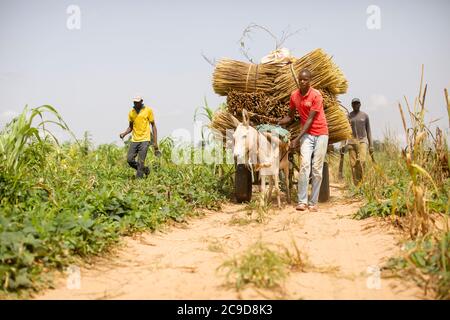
{"x": 300, "y": 207}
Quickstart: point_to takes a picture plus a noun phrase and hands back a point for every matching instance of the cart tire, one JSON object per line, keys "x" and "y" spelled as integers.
{"x": 324, "y": 194}
{"x": 243, "y": 184}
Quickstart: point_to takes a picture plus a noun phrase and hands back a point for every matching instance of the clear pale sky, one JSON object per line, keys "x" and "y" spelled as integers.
{"x": 153, "y": 49}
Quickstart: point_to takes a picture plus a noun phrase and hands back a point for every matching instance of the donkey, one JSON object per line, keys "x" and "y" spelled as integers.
{"x": 263, "y": 152}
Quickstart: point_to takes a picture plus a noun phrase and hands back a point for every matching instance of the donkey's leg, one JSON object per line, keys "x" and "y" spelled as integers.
{"x": 263, "y": 189}
{"x": 269, "y": 198}
{"x": 286, "y": 180}
{"x": 277, "y": 188}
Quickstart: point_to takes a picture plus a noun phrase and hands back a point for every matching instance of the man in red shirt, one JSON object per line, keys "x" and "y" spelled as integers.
{"x": 312, "y": 140}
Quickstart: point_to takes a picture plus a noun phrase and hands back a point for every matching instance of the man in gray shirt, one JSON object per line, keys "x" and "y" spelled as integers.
{"x": 361, "y": 141}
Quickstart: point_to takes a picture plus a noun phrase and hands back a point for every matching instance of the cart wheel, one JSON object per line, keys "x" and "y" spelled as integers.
{"x": 324, "y": 194}
{"x": 243, "y": 184}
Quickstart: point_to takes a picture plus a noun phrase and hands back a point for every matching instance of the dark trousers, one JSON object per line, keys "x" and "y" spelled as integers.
{"x": 138, "y": 149}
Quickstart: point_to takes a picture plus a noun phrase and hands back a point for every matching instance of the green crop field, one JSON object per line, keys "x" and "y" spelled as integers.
{"x": 60, "y": 202}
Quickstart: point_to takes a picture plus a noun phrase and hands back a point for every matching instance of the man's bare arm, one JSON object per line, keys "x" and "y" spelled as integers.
{"x": 308, "y": 123}
{"x": 305, "y": 128}
{"x": 369, "y": 133}
{"x": 127, "y": 131}
{"x": 288, "y": 119}
{"x": 155, "y": 135}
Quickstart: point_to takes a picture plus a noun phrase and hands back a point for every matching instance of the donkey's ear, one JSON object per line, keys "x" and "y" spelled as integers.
{"x": 245, "y": 119}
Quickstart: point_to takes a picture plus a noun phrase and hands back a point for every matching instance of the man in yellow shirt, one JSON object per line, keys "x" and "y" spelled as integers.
{"x": 140, "y": 118}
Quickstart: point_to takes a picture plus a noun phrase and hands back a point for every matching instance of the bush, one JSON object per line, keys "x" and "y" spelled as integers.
{"x": 427, "y": 261}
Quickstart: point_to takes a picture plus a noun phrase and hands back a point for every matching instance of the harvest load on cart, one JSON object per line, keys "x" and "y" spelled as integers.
{"x": 263, "y": 90}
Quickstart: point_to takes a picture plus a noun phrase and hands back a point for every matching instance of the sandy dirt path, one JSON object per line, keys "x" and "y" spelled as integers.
{"x": 181, "y": 262}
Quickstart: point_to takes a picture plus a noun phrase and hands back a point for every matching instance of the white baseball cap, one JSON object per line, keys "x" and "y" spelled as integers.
{"x": 137, "y": 99}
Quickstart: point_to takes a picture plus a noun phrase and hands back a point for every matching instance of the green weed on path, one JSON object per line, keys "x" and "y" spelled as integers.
{"x": 263, "y": 266}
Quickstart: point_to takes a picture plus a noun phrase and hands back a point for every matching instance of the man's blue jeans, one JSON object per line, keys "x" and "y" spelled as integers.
{"x": 313, "y": 150}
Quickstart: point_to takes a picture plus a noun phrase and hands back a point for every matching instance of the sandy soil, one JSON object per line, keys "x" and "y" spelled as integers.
{"x": 181, "y": 262}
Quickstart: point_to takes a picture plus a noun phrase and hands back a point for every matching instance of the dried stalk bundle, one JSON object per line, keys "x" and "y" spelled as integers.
{"x": 260, "y": 106}
{"x": 221, "y": 122}
{"x": 326, "y": 75}
{"x": 243, "y": 77}
{"x": 339, "y": 128}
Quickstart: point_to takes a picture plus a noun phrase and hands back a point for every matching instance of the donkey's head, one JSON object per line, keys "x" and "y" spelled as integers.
{"x": 244, "y": 140}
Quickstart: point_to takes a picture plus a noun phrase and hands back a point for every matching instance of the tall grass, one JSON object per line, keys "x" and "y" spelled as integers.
{"x": 410, "y": 185}
{"x": 223, "y": 169}
{"x": 413, "y": 181}
{"x": 20, "y": 132}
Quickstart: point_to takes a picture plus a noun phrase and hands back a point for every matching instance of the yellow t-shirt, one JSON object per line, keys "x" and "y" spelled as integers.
{"x": 141, "y": 124}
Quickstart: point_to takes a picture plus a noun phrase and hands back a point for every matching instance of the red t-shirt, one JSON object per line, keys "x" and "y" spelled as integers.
{"x": 304, "y": 104}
